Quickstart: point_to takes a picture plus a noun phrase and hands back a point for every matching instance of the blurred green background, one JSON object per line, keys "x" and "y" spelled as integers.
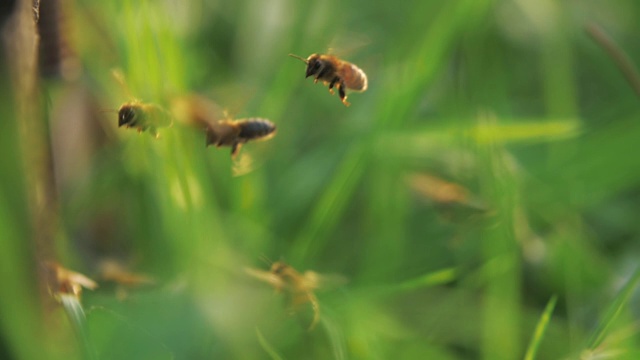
{"x": 481, "y": 198}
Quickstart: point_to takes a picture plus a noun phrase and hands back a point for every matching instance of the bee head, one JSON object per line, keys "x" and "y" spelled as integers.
{"x": 314, "y": 65}
{"x": 278, "y": 267}
{"x": 126, "y": 116}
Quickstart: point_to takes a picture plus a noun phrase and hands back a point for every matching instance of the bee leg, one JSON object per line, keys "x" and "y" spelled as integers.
{"x": 332, "y": 84}
{"x": 234, "y": 149}
{"x": 343, "y": 95}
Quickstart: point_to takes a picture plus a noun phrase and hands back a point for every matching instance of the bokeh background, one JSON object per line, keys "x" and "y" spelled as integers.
{"x": 480, "y": 200}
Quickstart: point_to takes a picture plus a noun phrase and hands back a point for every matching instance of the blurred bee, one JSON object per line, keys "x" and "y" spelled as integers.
{"x": 139, "y": 115}
{"x": 452, "y": 200}
{"x": 201, "y": 113}
{"x": 143, "y": 116}
{"x": 63, "y": 281}
{"x": 299, "y": 288}
{"x": 335, "y": 72}
{"x": 234, "y": 133}
{"x": 113, "y": 271}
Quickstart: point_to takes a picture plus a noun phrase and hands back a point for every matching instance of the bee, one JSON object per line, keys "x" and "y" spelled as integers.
{"x": 453, "y": 201}
{"x": 234, "y": 133}
{"x": 335, "y": 72}
{"x": 143, "y": 116}
{"x": 201, "y": 113}
{"x": 113, "y": 271}
{"x": 298, "y": 287}
{"x": 63, "y": 281}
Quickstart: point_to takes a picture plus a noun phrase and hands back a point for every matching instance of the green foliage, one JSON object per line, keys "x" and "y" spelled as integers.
{"x": 488, "y": 168}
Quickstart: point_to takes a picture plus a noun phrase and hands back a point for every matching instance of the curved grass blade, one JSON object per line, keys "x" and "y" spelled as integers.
{"x": 541, "y": 328}
{"x": 267, "y": 347}
{"x": 335, "y": 336}
{"x": 614, "y": 311}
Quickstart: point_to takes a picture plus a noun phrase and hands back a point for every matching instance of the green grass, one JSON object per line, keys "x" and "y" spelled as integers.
{"x": 513, "y": 102}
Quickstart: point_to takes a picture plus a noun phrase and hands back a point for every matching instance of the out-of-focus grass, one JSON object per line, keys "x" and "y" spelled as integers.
{"x": 510, "y": 101}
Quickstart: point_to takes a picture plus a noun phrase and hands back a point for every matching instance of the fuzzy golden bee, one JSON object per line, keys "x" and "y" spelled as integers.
{"x": 333, "y": 71}
{"x": 143, "y": 117}
{"x": 234, "y": 133}
{"x": 299, "y": 288}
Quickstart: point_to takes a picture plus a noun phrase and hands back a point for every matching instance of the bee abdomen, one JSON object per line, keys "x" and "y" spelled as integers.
{"x": 255, "y": 128}
{"x": 354, "y": 78}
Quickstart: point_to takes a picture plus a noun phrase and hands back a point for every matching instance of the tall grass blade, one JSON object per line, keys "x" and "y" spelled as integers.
{"x": 268, "y": 348}
{"x": 613, "y": 312}
{"x": 540, "y": 329}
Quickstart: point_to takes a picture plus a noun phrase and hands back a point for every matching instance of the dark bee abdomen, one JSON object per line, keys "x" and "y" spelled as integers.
{"x": 256, "y": 128}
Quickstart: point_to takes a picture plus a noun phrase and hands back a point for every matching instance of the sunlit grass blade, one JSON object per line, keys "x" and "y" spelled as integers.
{"x": 439, "y": 277}
{"x": 525, "y": 131}
{"x": 267, "y": 346}
{"x": 75, "y": 312}
{"x": 541, "y": 328}
{"x": 614, "y": 310}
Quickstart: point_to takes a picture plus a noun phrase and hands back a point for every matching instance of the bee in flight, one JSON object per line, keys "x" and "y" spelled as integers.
{"x": 201, "y": 113}
{"x": 335, "y": 72}
{"x": 298, "y": 287}
{"x": 234, "y": 133}
{"x": 64, "y": 282}
{"x": 143, "y": 116}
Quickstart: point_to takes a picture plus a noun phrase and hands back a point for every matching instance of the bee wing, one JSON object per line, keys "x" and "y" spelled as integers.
{"x": 243, "y": 165}
{"x": 313, "y": 280}
{"x": 157, "y": 115}
{"x": 347, "y": 44}
{"x": 118, "y": 75}
{"x": 267, "y": 277}
{"x": 196, "y": 110}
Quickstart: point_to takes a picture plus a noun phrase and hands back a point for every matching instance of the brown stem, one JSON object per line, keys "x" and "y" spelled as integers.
{"x": 621, "y": 59}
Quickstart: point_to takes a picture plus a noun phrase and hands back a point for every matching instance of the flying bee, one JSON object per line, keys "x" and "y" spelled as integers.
{"x": 201, "y": 113}
{"x": 139, "y": 115}
{"x": 299, "y": 288}
{"x": 63, "y": 281}
{"x": 234, "y": 133}
{"x": 335, "y": 72}
{"x": 453, "y": 201}
{"x": 113, "y": 271}
{"x": 143, "y": 116}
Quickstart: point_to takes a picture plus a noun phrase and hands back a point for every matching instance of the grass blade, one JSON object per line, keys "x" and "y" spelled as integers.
{"x": 614, "y": 311}
{"x": 541, "y": 328}
{"x": 76, "y": 315}
{"x": 267, "y": 347}
{"x": 331, "y": 205}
